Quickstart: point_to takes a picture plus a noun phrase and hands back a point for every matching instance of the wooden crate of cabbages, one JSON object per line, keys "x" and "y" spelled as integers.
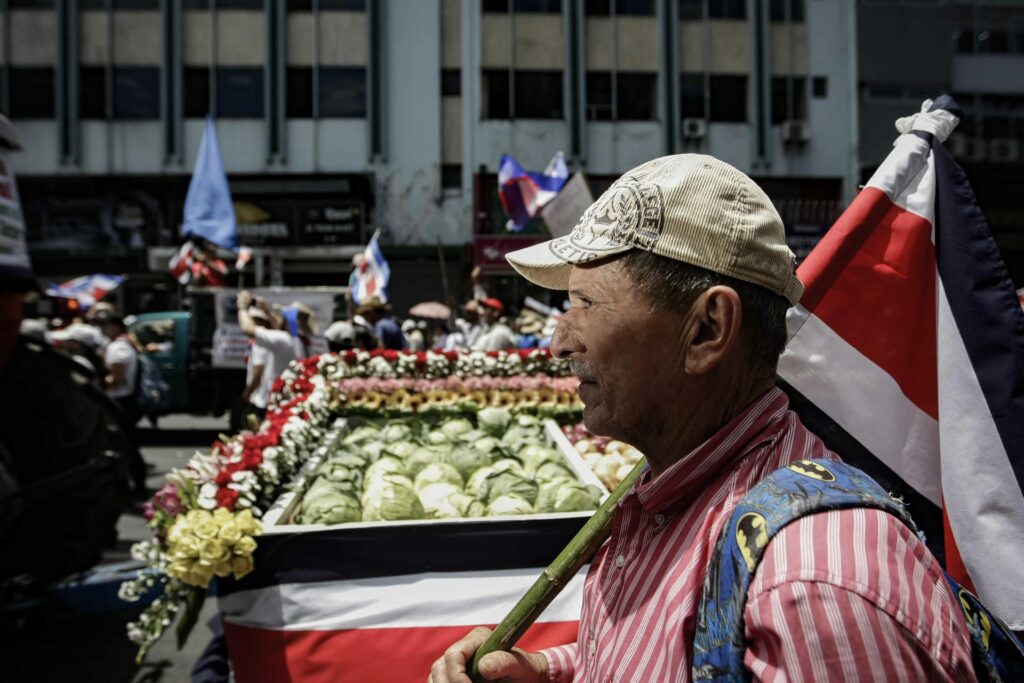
{"x": 493, "y": 464}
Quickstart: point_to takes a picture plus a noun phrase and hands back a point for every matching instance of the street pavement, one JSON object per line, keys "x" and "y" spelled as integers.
{"x": 54, "y": 644}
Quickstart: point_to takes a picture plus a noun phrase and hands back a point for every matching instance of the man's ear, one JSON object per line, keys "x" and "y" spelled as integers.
{"x": 716, "y": 316}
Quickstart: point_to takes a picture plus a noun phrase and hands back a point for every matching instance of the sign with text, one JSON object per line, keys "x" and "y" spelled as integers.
{"x": 231, "y": 345}
{"x": 489, "y": 250}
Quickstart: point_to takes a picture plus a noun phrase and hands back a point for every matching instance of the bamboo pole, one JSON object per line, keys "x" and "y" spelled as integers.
{"x": 551, "y": 582}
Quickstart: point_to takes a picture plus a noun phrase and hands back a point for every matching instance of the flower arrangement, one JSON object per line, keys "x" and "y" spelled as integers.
{"x": 205, "y": 518}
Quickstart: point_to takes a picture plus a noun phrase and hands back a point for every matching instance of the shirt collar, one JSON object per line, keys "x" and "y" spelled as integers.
{"x": 757, "y": 423}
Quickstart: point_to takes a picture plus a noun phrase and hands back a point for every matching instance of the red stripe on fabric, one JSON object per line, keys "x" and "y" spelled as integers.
{"x": 872, "y": 280}
{"x": 373, "y": 654}
{"x": 954, "y": 563}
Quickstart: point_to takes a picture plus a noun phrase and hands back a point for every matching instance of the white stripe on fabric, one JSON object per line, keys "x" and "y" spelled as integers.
{"x": 420, "y": 600}
{"x": 907, "y": 176}
{"x": 983, "y": 501}
{"x": 817, "y": 360}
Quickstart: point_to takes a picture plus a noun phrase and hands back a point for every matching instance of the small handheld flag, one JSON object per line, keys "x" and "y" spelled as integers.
{"x": 524, "y": 193}
{"x": 371, "y": 274}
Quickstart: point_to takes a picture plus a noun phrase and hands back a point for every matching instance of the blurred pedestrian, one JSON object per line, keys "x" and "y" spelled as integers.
{"x": 495, "y": 334}
{"x": 413, "y": 335}
{"x": 301, "y": 323}
{"x": 341, "y": 336}
{"x": 120, "y": 381}
{"x": 252, "y": 400}
{"x": 275, "y": 348}
{"x": 529, "y": 333}
{"x": 84, "y": 344}
{"x": 385, "y": 328}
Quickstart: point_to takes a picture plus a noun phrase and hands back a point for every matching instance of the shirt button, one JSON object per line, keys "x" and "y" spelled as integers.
{"x": 659, "y": 519}
{"x": 620, "y": 560}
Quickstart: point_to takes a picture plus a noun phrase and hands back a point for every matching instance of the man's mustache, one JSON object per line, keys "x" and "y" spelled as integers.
{"x": 582, "y": 370}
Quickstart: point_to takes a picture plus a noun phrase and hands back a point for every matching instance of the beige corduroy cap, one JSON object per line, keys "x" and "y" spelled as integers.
{"x": 688, "y": 207}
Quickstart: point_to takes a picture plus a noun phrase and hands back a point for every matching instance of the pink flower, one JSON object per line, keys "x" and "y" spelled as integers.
{"x": 167, "y": 499}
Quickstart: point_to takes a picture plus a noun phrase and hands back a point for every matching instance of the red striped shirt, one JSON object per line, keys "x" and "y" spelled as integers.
{"x": 846, "y": 595}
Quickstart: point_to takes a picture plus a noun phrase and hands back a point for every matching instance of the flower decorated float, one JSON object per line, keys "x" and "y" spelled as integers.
{"x": 386, "y": 499}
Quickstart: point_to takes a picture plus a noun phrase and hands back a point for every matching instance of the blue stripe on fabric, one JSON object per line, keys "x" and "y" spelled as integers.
{"x": 356, "y": 553}
{"x": 984, "y": 304}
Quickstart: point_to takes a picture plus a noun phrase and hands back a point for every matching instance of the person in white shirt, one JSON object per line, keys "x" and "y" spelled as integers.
{"x": 275, "y": 347}
{"x": 121, "y": 361}
{"x": 496, "y": 335}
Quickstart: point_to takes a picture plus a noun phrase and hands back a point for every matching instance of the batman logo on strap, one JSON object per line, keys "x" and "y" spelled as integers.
{"x": 751, "y": 537}
{"x": 978, "y": 618}
{"x": 812, "y": 470}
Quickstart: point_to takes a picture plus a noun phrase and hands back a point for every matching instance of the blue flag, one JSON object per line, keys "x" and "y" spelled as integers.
{"x": 208, "y": 210}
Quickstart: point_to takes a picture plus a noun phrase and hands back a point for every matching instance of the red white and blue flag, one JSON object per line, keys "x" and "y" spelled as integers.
{"x": 524, "y": 193}
{"x": 87, "y": 289}
{"x": 382, "y": 602}
{"x": 180, "y": 265}
{"x": 906, "y": 355}
{"x": 371, "y": 274}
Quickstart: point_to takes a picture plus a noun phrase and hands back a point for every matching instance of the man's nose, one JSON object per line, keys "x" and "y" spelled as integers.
{"x": 564, "y": 342}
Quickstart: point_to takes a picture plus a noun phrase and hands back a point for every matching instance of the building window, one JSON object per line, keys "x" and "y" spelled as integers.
{"x": 636, "y": 96}
{"x": 239, "y": 4}
{"x": 691, "y": 9}
{"x": 524, "y": 6}
{"x": 343, "y": 5}
{"x": 786, "y": 10}
{"x": 964, "y": 41}
{"x": 342, "y": 92}
{"x": 691, "y": 93}
{"x": 451, "y": 176}
{"x": 299, "y": 87}
{"x": 599, "y": 96}
{"x": 197, "y": 92}
{"x": 495, "y": 99}
{"x": 239, "y": 92}
{"x": 727, "y": 9}
{"x": 92, "y": 92}
{"x": 538, "y": 95}
{"x": 789, "y": 99}
{"x": 451, "y": 82}
{"x": 136, "y": 4}
{"x": 728, "y": 98}
{"x": 603, "y": 8}
{"x": 32, "y": 95}
{"x": 136, "y": 92}
{"x": 819, "y": 87}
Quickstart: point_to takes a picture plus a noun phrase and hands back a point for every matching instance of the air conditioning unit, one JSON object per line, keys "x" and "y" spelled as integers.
{"x": 795, "y": 132}
{"x": 695, "y": 129}
{"x": 1004, "y": 151}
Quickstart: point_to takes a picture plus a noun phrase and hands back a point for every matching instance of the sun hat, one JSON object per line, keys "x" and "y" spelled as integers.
{"x": 687, "y": 207}
{"x": 305, "y": 318}
{"x": 374, "y": 303}
{"x": 257, "y": 313}
{"x": 341, "y": 332}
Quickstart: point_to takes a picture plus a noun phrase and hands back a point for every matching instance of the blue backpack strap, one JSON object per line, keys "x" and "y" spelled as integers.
{"x": 803, "y": 488}
{"x": 996, "y": 652}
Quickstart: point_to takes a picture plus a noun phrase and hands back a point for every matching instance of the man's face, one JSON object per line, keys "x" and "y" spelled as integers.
{"x": 628, "y": 359}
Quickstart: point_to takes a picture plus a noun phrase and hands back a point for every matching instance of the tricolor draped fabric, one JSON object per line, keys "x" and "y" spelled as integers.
{"x": 371, "y": 274}
{"x": 524, "y": 193}
{"x": 382, "y": 601}
{"x": 907, "y": 351}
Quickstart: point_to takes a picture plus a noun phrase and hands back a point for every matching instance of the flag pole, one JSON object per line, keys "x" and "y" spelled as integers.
{"x": 444, "y": 276}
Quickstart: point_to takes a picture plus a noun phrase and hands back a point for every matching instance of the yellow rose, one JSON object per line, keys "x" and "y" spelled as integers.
{"x": 221, "y": 515}
{"x": 199, "y": 576}
{"x": 223, "y": 568}
{"x": 213, "y": 551}
{"x": 243, "y": 518}
{"x": 194, "y": 516}
{"x": 245, "y": 546}
{"x": 229, "y": 531}
{"x": 205, "y": 528}
{"x": 179, "y": 569}
{"x": 241, "y": 566}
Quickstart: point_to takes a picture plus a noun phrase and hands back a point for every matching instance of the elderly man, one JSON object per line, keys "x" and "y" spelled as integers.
{"x": 679, "y": 279}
